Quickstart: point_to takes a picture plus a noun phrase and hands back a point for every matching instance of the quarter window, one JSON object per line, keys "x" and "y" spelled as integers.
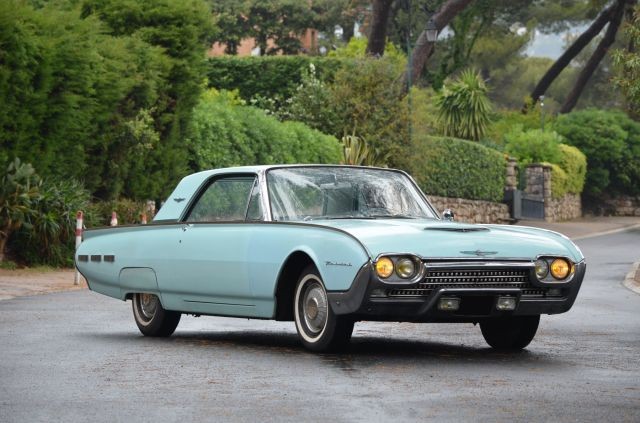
{"x": 224, "y": 200}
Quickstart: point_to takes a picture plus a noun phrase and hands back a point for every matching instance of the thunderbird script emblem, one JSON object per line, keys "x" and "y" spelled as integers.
{"x": 480, "y": 253}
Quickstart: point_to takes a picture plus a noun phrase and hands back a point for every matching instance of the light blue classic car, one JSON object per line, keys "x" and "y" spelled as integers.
{"x": 326, "y": 246}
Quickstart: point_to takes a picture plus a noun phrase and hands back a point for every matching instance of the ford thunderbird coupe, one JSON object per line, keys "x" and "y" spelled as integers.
{"x": 327, "y": 246}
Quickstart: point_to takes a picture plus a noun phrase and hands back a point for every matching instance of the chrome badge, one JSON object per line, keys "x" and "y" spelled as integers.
{"x": 480, "y": 253}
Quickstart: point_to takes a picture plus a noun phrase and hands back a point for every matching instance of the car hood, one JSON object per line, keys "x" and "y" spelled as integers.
{"x": 430, "y": 238}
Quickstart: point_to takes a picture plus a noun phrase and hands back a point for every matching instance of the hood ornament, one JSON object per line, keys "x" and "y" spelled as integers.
{"x": 480, "y": 253}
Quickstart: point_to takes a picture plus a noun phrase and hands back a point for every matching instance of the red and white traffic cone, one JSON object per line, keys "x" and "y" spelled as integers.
{"x": 79, "y": 228}
{"x": 114, "y": 219}
{"x": 143, "y": 218}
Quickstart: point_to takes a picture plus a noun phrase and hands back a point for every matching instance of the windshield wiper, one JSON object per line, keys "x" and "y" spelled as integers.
{"x": 392, "y": 216}
{"x": 337, "y": 217}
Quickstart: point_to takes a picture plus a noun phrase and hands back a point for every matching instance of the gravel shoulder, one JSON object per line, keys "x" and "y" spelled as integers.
{"x": 23, "y": 282}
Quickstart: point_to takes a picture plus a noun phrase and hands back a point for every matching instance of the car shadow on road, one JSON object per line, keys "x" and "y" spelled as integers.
{"x": 363, "y": 351}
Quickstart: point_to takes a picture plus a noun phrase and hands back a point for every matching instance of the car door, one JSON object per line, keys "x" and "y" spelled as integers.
{"x": 212, "y": 247}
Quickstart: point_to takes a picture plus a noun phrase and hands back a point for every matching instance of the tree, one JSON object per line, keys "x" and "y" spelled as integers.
{"x": 627, "y": 62}
{"x": 378, "y": 30}
{"x": 279, "y": 21}
{"x": 181, "y": 30}
{"x": 596, "y": 57}
{"x": 423, "y": 48}
{"x": 612, "y": 15}
{"x": 342, "y": 13}
{"x": 232, "y": 23}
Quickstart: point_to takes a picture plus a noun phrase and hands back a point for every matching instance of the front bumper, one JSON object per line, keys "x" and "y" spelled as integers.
{"x": 364, "y": 302}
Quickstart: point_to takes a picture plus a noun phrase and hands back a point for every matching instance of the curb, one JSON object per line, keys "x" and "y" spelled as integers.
{"x": 631, "y": 281}
{"x": 609, "y": 232}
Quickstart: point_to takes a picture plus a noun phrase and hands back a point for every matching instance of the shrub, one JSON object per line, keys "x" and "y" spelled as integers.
{"x": 424, "y": 111}
{"x": 128, "y": 212}
{"x": 452, "y": 167}
{"x": 559, "y": 180}
{"x": 506, "y": 121}
{"x": 230, "y": 134}
{"x": 356, "y": 151}
{"x": 611, "y": 142}
{"x": 274, "y": 77}
{"x": 19, "y": 191}
{"x": 357, "y": 49}
{"x": 533, "y": 145}
{"x": 77, "y": 77}
{"x": 574, "y": 163}
{"x": 465, "y": 107}
{"x": 366, "y": 96}
{"x": 310, "y": 103}
{"x": 49, "y": 238}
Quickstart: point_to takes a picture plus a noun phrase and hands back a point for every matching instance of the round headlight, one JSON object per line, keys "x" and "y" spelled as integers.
{"x": 406, "y": 268}
{"x": 560, "y": 268}
{"x": 384, "y": 267}
{"x": 542, "y": 268}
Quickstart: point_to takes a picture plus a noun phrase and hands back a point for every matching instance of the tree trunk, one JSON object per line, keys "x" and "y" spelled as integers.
{"x": 347, "y": 29}
{"x": 423, "y": 48}
{"x": 574, "y": 49}
{"x": 596, "y": 57}
{"x": 378, "y": 33}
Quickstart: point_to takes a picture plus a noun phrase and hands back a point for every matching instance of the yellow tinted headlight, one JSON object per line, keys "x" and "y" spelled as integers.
{"x": 560, "y": 268}
{"x": 384, "y": 267}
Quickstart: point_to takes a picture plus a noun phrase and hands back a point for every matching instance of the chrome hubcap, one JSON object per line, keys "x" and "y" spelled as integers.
{"x": 315, "y": 308}
{"x": 148, "y": 305}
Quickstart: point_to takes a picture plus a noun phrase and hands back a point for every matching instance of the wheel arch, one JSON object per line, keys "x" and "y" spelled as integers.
{"x": 290, "y": 271}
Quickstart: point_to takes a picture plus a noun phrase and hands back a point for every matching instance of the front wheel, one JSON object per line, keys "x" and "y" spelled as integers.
{"x": 319, "y": 328}
{"x": 152, "y": 319}
{"x": 510, "y": 333}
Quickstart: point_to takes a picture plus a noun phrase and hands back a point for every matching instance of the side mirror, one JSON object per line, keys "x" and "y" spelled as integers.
{"x": 448, "y": 215}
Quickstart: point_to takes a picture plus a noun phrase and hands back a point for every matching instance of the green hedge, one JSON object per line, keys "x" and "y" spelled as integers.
{"x": 611, "y": 142}
{"x": 267, "y": 76}
{"x": 229, "y": 133}
{"x": 574, "y": 163}
{"x": 559, "y": 180}
{"x": 451, "y": 167}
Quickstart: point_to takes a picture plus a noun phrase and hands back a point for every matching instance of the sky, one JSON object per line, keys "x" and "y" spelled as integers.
{"x": 551, "y": 45}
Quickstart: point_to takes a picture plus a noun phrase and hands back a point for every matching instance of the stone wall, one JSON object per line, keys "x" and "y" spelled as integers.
{"x": 472, "y": 211}
{"x": 538, "y": 179}
{"x": 566, "y": 208}
{"x": 621, "y": 206}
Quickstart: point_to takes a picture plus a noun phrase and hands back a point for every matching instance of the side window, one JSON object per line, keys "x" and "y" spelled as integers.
{"x": 255, "y": 204}
{"x": 224, "y": 200}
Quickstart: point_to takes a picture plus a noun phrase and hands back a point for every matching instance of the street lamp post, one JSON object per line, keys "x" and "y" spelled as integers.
{"x": 431, "y": 30}
{"x": 542, "y": 112}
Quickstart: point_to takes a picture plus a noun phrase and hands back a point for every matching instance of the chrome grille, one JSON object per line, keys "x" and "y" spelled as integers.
{"x": 437, "y": 279}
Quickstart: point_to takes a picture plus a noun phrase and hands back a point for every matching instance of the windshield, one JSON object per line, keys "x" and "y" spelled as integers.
{"x": 309, "y": 193}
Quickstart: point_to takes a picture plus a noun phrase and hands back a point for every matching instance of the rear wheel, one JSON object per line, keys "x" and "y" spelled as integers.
{"x": 318, "y": 327}
{"x": 510, "y": 333}
{"x": 151, "y": 318}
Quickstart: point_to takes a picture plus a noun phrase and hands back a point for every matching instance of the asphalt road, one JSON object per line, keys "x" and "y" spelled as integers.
{"x": 78, "y": 356}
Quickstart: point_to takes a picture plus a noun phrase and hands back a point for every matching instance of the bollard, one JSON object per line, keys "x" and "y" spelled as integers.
{"x": 79, "y": 226}
{"x": 114, "y": 219}
{"x": 143, "y": 218}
